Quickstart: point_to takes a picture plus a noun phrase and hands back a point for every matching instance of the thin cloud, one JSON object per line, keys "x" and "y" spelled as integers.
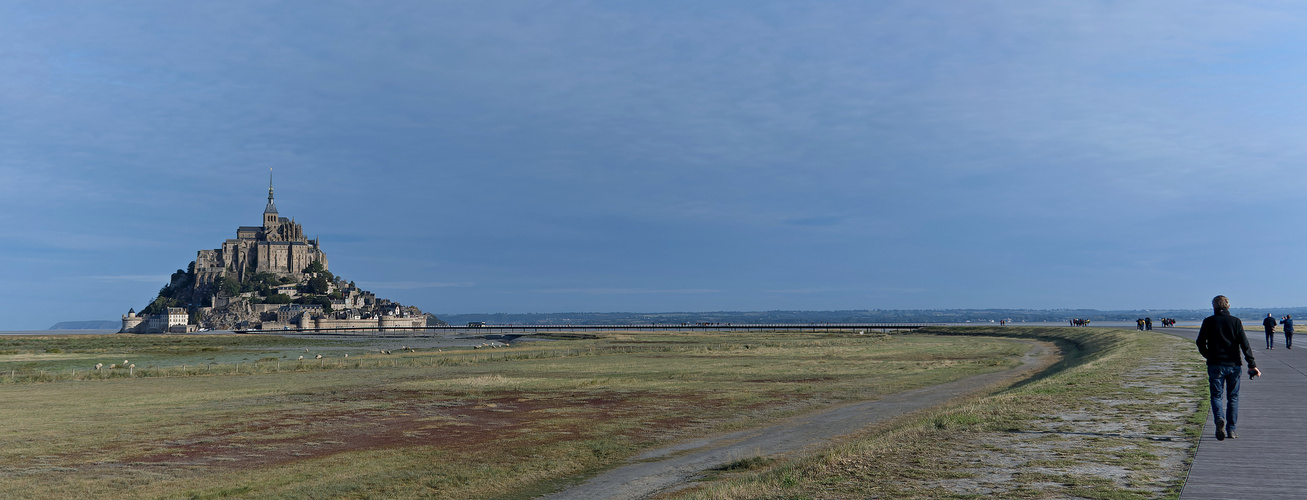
{"x": 410, "y": 285}
{"x": 132, "y": 278}
{"x": 825, "y": 220}
{"x": 627, "y": 291}
{"x": 810, "y": 290}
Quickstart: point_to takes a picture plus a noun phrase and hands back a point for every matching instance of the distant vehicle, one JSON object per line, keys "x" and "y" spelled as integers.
{"x": 476, "y": 324}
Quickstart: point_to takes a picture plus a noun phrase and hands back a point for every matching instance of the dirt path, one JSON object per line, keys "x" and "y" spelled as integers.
{"x": 670, "y": 468}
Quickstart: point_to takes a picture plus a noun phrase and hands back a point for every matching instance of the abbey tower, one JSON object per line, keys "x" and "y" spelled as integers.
{"x": 278, "y": 247}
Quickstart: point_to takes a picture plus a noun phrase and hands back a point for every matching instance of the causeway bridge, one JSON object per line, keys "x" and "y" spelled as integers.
{"x": 678, "y": 327}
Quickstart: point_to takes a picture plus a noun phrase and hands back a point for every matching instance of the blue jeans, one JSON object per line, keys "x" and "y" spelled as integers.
{"x": 1224, "y": 381}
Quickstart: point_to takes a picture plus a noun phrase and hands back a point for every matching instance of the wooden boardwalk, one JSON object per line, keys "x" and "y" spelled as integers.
{"x": 1269, "y": 459}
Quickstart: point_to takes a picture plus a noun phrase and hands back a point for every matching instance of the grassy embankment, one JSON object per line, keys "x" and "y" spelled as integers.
{"x": 1118, "y": 419}
{"x": 455, "y": 424}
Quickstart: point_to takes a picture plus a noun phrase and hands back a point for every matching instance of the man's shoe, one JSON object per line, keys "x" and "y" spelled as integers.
{"x": 1232, "y": 435}
{"x": 1220, "y": 430}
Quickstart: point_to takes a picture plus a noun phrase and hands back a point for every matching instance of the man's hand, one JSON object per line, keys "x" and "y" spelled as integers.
{"x": 1253, "y": 372}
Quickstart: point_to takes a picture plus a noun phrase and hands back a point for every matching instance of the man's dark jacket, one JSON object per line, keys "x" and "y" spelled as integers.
{"x": 1269, "y": 323}
{"x": 1221, "y": 338}
{"x": 1288, "y": 325}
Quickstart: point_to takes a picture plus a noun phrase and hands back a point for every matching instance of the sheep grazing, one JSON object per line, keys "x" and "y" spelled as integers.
{"x": 347, "y": 355}
{"x": 113, "y": 366}
{"x": 301, "y": 357}
{"x": 318, "y": 357}
{"x": 98, "y": 366}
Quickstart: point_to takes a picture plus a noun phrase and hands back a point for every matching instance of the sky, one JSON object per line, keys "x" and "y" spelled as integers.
{"x": 576, "y": 156}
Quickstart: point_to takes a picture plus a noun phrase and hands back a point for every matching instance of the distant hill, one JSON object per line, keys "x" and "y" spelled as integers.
{"x": 859, "y": 316}
{"x": 87, "y": 325}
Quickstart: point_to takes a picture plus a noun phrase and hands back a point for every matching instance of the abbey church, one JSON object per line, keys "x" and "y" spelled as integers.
{"x": 278, "y": 247}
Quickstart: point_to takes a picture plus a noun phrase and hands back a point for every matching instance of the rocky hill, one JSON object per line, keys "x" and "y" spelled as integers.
{"x": 227, "y": 303}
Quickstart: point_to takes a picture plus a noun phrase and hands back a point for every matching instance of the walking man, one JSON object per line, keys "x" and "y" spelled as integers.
{"x": 1220, "y": 340}
{"x": 1288, "y": 331}
{"x": 1269, "y": 324}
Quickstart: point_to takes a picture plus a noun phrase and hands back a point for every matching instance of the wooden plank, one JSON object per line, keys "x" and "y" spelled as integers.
{"x": 1266, "y": 460}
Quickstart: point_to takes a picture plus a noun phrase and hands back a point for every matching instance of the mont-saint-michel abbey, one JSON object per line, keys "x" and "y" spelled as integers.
{"x": 278, "y": 247}
{"x": 269, "y": 277}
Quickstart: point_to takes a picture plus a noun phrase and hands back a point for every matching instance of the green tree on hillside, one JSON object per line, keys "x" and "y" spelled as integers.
{"x": 159, "y": 305}
{"x": 315, "y": 299}
{"x": 227, "y": 286}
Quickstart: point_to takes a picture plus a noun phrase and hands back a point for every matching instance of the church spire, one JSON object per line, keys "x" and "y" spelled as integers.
{"x": 271, "y": 208}
{"x": 270, "y": 213}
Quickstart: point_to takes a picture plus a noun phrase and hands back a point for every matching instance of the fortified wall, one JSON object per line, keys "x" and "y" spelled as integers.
{"x": 172, "y": 320}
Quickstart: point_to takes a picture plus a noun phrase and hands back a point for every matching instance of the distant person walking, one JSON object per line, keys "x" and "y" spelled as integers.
{"x": 1148, "y": 323}
{"x": 1288, "y": 331}
{"x": 1269, "y": 325}
{"x": 1220, "y": 340}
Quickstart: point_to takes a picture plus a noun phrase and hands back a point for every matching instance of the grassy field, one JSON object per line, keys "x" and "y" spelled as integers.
{"x": 1119, "y": 418}
{"x": 458, "y": 423}
{"x": 47, "y": 357}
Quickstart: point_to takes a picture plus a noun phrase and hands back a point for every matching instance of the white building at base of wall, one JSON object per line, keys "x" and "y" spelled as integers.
{"x": 172, "y": 320}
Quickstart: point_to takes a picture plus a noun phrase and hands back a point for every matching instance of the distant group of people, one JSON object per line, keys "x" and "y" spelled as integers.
{"x": 1079, "y": 322}
{"x": 1147, "y": 323}
{"x": 1269, "y": 324}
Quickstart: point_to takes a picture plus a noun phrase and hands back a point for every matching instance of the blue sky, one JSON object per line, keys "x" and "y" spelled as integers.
{"x": 544, "y": 156}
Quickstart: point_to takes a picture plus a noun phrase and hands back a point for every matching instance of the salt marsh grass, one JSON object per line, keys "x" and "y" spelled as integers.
{"x": 1119, "y": 417}
{"x": 461, "y": 423}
